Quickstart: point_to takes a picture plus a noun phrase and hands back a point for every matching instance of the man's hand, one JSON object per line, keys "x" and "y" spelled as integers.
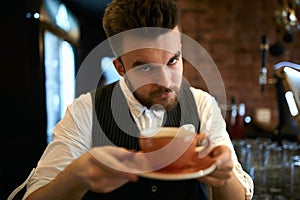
{"x": 104, "y": 169}
{"x": 222, "y": 156}
{"x": 101, "y": 170}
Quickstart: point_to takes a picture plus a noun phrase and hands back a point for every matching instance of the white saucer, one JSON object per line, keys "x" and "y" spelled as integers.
{"x": 179, "y": 176}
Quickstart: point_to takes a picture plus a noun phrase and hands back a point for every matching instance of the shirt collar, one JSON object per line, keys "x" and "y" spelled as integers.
{"x": 134, "y": 105}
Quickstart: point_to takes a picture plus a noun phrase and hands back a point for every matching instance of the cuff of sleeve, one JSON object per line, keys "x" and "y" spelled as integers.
{"x": 245, "y": 180}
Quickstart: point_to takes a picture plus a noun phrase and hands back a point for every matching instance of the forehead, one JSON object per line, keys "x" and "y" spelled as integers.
{"x": 156, "y": 38}
{"x": 149, "y": 55}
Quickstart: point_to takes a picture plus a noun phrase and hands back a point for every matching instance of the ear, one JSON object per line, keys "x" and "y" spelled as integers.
{"x": 119, "y": 67}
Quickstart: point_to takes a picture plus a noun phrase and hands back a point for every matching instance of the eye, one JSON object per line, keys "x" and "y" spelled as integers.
{"x": 145, "y": 68}
{"x": 173, "y": 61}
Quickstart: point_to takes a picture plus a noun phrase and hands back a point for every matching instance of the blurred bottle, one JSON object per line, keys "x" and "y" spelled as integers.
{"x": 234, "y": 111}
{"x": 237, "y": 121}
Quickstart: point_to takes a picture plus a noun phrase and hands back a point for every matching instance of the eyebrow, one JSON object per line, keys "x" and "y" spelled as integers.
{"x": 139, "y": 63}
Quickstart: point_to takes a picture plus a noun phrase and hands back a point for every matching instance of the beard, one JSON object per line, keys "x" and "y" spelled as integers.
{"x": 166, "y": 97}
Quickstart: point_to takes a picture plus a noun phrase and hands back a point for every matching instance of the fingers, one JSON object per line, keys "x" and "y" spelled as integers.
{"x": 223, "y": 171}
{"x": 214, "y": 182}
{"x": 217, "y": 178}
{"x": 103, "y": 169}
{"x": 113, "y": 157}
{"x": 222, "y": 157}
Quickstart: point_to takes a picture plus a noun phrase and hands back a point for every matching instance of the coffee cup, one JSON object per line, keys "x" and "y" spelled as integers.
{"x": 173, "y": 149}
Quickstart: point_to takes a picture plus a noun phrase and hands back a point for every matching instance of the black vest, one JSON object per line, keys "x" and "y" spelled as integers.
{"x": 112, "y": 121}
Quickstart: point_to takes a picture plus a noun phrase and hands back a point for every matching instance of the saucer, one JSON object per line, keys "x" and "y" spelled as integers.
{"x": 179, "y": 176}
{"x": 198, "y": 167}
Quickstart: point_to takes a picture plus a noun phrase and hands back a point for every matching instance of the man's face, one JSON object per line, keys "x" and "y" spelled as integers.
{"x": 154, "y": 75}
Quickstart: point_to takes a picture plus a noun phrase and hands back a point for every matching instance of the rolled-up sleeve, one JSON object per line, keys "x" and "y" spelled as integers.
{"x": 71, "y": 139}
{"x": 214, "y": 126}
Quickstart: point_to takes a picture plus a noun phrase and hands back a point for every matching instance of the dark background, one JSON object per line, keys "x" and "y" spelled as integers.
{"x": 23, "y": 125}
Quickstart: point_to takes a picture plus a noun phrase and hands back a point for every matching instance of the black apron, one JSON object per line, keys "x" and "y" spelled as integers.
{"x": 112, "y": 121}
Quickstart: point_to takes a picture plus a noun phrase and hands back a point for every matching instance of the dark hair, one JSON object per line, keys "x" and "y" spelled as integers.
{"x": 123, "y": 15}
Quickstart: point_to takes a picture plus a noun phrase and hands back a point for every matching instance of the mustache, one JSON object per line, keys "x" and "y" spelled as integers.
{"x": 162, "y": 90}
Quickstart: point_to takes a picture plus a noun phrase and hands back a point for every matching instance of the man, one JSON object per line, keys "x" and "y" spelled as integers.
{"x": 94, "y": 151}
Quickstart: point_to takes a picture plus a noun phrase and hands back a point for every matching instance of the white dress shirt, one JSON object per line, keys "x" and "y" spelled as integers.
{"x": 72, "y": 135}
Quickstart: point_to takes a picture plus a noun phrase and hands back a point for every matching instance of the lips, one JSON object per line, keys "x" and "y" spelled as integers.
{"x": 165, "y": 94}
{"x": 162, "y": 92}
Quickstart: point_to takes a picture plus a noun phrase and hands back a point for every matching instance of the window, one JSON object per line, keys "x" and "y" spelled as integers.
{"x": 60, "y": 78}
{"x": 60, "y": 33}
{"x": 109, "y": 72}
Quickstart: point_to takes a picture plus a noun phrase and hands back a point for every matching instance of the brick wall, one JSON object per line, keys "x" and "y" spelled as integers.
{"x": 230, "y": 31}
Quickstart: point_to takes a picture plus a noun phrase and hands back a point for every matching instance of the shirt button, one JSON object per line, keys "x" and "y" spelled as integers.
{"x": 154, "y": 188}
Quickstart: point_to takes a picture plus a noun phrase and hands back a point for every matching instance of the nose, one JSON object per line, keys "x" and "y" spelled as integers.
{"x": 163, "y": 77}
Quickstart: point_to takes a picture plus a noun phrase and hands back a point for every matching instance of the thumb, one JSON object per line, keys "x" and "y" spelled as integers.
{"x": 221, "y": 154}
